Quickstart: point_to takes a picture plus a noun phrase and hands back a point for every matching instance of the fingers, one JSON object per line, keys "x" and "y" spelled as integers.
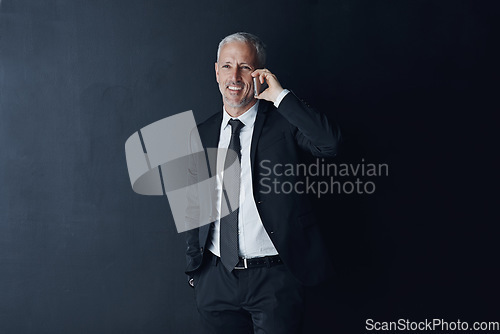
{"x": 264, "y": 75}
{"x": 274, "y": 89}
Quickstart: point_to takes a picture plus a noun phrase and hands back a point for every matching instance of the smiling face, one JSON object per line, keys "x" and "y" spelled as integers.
{"x": 237, "y": 60}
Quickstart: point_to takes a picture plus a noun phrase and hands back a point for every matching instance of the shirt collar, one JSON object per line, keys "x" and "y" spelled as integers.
{"x": 247, "y": 118}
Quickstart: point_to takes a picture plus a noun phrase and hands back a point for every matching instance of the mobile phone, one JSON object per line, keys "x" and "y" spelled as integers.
{"x": 258, "y": 87}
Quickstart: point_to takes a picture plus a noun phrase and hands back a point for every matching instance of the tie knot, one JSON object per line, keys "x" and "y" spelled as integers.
{"x": 236, "y": 125}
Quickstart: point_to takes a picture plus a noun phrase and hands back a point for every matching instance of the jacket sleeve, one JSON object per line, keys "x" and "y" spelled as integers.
{"x": 314, "y": 133}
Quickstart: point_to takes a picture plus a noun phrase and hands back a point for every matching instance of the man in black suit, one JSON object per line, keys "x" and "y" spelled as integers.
{"x": 249, "y": 268}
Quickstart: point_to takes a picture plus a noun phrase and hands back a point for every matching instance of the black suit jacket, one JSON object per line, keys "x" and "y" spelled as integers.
{"x": 289, "y": 134}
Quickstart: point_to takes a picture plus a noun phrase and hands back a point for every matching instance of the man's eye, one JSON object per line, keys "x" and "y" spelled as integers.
{"x": 245, "y": 67}
{"x": 225, "y": 66}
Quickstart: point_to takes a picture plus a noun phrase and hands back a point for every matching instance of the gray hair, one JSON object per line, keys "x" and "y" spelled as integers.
{"x": 245, "y": 37}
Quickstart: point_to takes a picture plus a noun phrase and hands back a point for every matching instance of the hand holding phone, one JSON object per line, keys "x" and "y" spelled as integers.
{"x": 270, "y": 87}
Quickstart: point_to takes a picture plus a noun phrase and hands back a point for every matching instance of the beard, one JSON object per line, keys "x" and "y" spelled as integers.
{"x": 233, "y": 104}
{"x": 245, "y": 100}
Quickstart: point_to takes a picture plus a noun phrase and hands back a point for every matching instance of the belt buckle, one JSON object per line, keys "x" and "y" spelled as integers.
{"x": 245, "y": 265}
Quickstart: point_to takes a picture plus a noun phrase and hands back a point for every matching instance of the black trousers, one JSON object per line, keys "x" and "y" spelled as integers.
{"x": 255, "y": 300}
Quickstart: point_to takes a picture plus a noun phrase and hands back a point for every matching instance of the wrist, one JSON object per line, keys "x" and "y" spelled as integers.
{"x": 280, "y": 97}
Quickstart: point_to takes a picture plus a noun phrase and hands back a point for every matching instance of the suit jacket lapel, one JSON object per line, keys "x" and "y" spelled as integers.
{"x": 209, "y": 135}
{"x": 211, "y": 131}
{"x": 257, "y": 130}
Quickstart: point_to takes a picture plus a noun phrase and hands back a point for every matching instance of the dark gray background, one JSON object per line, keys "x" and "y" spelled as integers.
{"x": 409, "y": 81}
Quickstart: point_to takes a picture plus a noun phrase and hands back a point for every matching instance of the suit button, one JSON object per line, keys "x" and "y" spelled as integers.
{"x": 201, "y": 249}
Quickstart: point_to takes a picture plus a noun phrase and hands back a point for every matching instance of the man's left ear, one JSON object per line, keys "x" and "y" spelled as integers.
{"x": 217, "y": 72}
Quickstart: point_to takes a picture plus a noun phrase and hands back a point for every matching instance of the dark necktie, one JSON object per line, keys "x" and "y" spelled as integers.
{"x": 231, "y": 191}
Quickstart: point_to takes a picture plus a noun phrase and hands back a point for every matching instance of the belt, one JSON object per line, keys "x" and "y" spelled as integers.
{"x": 266, "y": 261}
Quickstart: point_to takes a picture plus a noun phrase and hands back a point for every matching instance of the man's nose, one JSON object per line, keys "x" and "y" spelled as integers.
{"x": 235, "y": 74}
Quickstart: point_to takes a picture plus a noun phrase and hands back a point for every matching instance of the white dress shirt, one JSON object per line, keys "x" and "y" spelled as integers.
{"x": 252, "y": 236}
